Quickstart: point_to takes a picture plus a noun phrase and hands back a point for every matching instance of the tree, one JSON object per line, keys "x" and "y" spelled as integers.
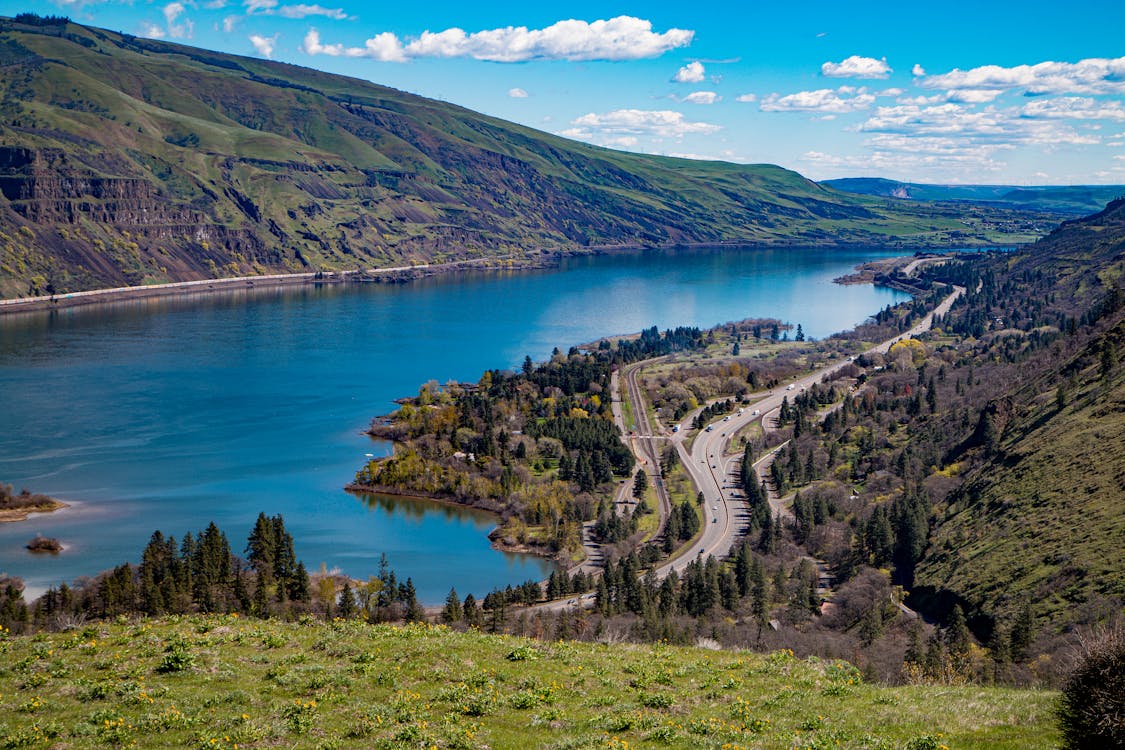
{"x": 1023, "y": 631}
{"x": 346, "y": 607}
{"x": 640, "y": 484}
{"x": 452, "y": 611}
{"x": 1090, "y": 708}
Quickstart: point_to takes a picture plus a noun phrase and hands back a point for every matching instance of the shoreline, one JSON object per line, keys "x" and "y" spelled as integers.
{"x": 497, "y": 539}
{"x": 15, "y": 515}
{"x": 393, "y": 274}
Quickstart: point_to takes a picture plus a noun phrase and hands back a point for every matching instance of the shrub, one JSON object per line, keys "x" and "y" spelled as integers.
{"x": 1091, "y": 709}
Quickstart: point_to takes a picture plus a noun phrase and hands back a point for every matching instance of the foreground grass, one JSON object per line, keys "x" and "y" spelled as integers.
{"x": 226, "y": 682}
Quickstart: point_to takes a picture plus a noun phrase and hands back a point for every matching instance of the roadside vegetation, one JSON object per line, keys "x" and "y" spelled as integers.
{"x": 223, "y": 681}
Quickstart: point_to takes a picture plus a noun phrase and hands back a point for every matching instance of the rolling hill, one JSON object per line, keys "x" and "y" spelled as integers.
{"x": 129, "y": 161}
{"x": 1076, "y": 200}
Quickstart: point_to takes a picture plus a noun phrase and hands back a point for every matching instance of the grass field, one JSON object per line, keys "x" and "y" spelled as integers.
{"x": 226, "y": 682}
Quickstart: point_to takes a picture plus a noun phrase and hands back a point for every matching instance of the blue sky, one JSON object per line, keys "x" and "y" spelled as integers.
{"x": 981, "y": 92}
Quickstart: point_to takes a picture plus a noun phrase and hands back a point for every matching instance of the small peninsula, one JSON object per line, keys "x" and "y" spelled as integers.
{"x": 16, "y": 506}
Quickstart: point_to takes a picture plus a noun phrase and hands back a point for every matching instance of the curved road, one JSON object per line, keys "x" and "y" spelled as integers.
{"x": 712, "y": 469}
{"x": 715, "y": 472}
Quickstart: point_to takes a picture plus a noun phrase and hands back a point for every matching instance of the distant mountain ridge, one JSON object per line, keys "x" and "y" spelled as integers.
{"x": 1077, "y": 200}
{"x": 127, "y": 161}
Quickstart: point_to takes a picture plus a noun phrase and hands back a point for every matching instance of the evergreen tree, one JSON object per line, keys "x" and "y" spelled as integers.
{"x": 452, "y": 611}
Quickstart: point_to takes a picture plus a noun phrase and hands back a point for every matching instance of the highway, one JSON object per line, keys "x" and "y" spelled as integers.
{"x": 712, "y": 466}
{"x": 714, "y": 469}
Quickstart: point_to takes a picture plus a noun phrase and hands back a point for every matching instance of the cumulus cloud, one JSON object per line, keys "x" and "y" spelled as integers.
{"x": 384, "y": 47}
{"x": 301, "y": 10}
{"x": 177, "y": 29}
{"x": 690, "y": 73}
{"x": 825, "y": 101}
{"x": 917, "y": 70}
{"x": 856, "y": 67}
{"x": 907, "y": 165}
{"x": 151, "y": 31}
{"x": 961, "y": 127}
{"x": 517, "y": 93}
{"x": 264, "y": 44}
{"x": 230, "y": 23}
{"x": 1094, "y": 75}
{"x": 748, "y": 98}
{"x": 1074, "y": 108}
{"x": 621, "y": 38}
{"x": 637, "y": 122}
{"x": 701, "y": 97}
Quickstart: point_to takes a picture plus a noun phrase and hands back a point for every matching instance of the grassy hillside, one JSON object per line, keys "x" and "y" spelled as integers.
{"x": 225, "y": 682}
{"x": 1077, "y": 200}
{"x": 1042, "y": 520}
{"x": 127, "y": 161}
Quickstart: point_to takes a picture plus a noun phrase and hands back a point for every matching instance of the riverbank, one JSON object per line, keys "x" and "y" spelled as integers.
{"x": 393, "y": 275}
{"x": 17, "y": 507}
{"x": 499, "y": 541}
{"x": 406, "y": 273}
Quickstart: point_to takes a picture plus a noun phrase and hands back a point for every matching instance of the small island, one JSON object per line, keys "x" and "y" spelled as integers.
{"x": 45, "y": 544}
{"x": 17, "y": 506}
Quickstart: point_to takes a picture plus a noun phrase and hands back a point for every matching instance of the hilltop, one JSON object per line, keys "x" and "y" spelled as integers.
{"x": 225, "y": 682}
{"x": 129, "y": 161}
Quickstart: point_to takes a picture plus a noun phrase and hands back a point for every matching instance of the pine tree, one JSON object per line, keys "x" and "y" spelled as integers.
{"x": 452, "y": 611}
{"x": 346, "y": 606}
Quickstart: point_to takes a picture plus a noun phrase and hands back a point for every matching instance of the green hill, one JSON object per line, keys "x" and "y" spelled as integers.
{"x": 128, "y": 161}
{"x": 226, "y": 682}
{"x": 1042, "y": 520}
{"x": 1076, "y": 200}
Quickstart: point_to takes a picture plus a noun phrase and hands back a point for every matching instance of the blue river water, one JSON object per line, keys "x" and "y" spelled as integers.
{"x": 170, "y": 413}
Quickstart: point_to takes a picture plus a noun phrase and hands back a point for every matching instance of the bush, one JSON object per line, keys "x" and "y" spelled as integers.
{"x": 1091, "y": 710}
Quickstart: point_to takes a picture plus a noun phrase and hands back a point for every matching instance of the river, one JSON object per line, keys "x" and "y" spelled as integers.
{"x": 170, "y": 413}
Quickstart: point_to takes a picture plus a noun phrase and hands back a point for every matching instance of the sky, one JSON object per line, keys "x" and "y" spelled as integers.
{"x": 984, "y": 92}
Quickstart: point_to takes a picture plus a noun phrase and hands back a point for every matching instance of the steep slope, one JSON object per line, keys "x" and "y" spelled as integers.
{"x": 125, "y": 160}
{"x": 1041, "y": 521}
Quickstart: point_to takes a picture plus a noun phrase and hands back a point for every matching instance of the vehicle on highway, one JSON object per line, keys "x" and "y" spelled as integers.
{"x": 789, "y": 387}
{"x": 709, "y": 428}
{"x": 675, "y": 428}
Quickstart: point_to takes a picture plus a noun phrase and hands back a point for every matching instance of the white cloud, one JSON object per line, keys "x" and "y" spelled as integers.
{"x": 748, "y": 98}
{"x": 956, "y": 128}
{"x": 621, "y": 38}
{"x": 264, "y": 44}
{"x": 917, "y": 70}
{"x": 828, "y": 101}
{"x": 215, "y": 5}
{"x": 301, "y": 10}
{"x": 637, "y": 122}
{"x": 172, "y": 13}
{"x": 1074, "y": 108}
{"x": 690, "y": 73}
{"x": 517, "y": 93}
{"x": 856, "y": 67}
{"x": 1094, "y": 75}
{"x": 151, "y": 31}
{"x": 891, "y": 92}
{"x": 701, "y": 97}
{"x": 384, "y": 47}
{"x": 906, "y": 165}
{"x": 230, "y": 23}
